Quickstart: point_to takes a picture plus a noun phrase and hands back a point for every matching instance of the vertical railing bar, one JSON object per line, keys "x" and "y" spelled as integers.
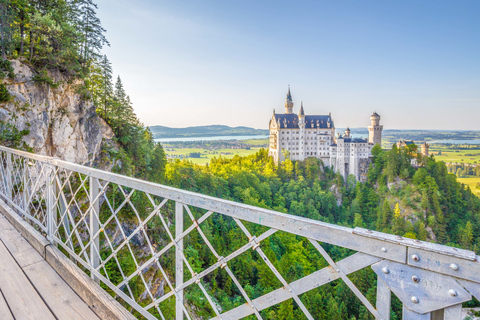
{"x": 179, "y": 259}
{"x": 384, "y": 296}
{"x": 9, "y": 177}
{"x": 50, "y": 202}
{"x": 94, "y": 223}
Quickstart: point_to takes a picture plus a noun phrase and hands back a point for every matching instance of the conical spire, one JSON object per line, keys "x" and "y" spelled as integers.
{"x": 301, "y": 113}
{"x": 289, "y": 95}
{"x": 289, "y": 102}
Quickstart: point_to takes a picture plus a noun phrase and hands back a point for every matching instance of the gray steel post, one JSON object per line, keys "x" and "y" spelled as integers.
{"x": 179, "y": 259}
{"x": 411, "y": 315}
{"x": 94, "y": 223}
{"x": 383, "y": 299}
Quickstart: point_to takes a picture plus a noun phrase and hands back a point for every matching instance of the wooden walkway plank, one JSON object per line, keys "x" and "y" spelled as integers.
{"x": 16, "y": 244}
{"x": 61, "y": 299}
{"x": 21, "y": 297}
{"x": 5, "y": 313}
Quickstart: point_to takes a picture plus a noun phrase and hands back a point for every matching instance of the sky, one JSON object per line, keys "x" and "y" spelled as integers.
{"x": 190, "y": 62}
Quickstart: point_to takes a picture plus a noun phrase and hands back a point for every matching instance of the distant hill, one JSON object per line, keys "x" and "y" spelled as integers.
{"x": 160, "y": 132}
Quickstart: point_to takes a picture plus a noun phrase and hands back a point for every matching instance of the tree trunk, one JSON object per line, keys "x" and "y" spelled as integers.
{"x": 22, "y": 34}
{"x": 31, "y": 45}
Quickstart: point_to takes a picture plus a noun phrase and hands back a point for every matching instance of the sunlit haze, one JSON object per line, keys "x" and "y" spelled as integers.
{"x": 189, "y": 63}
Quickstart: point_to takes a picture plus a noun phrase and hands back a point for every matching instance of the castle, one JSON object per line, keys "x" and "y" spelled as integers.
{"x": 298, "y": 137}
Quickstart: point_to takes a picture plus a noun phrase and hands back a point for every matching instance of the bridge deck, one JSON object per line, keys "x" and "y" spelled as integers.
{"x": 29, "y": 287}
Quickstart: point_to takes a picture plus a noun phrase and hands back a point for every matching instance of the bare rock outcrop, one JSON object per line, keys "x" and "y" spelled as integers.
{"x": 61, "y": 123}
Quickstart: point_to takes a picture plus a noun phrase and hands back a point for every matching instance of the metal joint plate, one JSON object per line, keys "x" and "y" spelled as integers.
{"x": 468, "y": 270}
{"x": 419, "y": 290}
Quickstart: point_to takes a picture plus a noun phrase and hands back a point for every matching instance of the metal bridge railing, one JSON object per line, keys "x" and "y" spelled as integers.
{"x": 127, "y": 233}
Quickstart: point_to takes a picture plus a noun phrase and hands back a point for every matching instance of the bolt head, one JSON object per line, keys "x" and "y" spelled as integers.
{"x": 415, "y": 279}
{"x": 452, "y": 292}
{"x": 415, "y": 257}
{"x": 414, "y": 299}
{"x": 385, "y": 270}
{"x": 454, "y": 267}
{"x": 384, "y": 249}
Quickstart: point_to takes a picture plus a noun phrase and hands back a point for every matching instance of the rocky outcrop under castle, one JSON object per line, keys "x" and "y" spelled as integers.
{"x": 61, "y": 123}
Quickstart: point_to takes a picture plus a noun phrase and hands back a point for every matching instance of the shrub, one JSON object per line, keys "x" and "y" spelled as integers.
{"x": 4, "y": 94}
{"x": 43, "y": 78}
{"x": 6, "y": 69}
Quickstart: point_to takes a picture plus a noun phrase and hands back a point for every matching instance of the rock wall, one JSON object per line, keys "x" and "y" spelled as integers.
{"x": 61, "y": 123}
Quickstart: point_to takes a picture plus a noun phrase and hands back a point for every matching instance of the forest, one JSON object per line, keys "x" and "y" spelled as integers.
{"x": 425, "y": 202}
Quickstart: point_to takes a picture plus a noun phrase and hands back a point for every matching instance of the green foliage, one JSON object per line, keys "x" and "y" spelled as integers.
{"x": 5, "y": 96}
{"x": 43, "y": 78}
{"x": 11, "y": 137}
{"x": 6, "y": 69}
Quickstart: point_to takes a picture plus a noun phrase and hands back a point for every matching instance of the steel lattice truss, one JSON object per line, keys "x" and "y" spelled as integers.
{"x": 127, "y": 233}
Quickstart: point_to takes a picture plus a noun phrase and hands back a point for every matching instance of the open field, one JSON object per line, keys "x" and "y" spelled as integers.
{"x": 472, "y": 183}
{"x": 207, "y": 152}
{"x": 449, "y": 154}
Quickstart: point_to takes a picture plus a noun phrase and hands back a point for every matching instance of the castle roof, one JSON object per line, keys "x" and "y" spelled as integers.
{"x": 355, "y": 140}
{"x": 290, "y": 121}
{"x": 407, "y": 142}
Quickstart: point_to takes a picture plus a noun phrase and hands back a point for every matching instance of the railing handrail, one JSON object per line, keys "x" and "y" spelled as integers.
{"x": 270, "y": 218}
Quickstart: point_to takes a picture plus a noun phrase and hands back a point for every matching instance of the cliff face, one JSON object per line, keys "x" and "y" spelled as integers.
{"x": 61, "y": 124}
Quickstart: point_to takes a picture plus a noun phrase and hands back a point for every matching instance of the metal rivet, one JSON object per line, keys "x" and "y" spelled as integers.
{"x": 415, "y": 279}
{"x": 384, "y": 249}
{"x": 452, "y": 292}
{"x": 415, "y": 257}
{"x": 385, "y": 270}
{"x": 414, "y": 299}
{"x": 454, "y": 267}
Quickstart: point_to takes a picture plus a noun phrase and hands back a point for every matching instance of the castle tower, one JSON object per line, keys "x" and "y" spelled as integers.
{"x": 375, "y": 130}
{"x": 347, "y": 133}
{"x": 289, "y": 102}
{"x": 425, "y": 149}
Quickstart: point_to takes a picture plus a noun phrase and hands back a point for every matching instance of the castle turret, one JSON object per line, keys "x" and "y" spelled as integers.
{"x": 289, "y": 102}
{"x": 425, "y": 149}
{"x": 375, "y": 130}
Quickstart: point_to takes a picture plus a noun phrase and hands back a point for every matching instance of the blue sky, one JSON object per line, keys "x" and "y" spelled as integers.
{"x": 187, "y": 63}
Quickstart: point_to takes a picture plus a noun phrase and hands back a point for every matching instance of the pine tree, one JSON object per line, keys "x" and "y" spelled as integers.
{"x": 398, "y": 222}
{"x": 6, "y": 19}
{"x": 100, "y": 85}
{"x": 90, "y": 27}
